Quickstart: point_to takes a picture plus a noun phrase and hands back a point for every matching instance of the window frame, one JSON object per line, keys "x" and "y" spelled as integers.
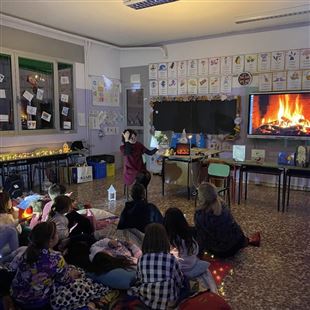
{"x": 18, "y": 131}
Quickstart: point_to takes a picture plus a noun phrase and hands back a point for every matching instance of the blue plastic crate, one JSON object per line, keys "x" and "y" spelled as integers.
{"x": 99, "y": 169}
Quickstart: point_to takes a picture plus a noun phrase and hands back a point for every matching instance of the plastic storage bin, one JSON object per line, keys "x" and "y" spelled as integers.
{"x": 110, "y": 170}
{"x": 99, "y": 169}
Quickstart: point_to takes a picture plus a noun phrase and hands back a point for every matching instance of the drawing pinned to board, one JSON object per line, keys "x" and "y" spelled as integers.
{"x": 105, "y": 91}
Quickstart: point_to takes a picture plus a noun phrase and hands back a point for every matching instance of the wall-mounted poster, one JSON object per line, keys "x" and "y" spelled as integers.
{"x": 305, "y": 58}
{"x": 203, "y": 66}
{"x": 203, "y": 86}
{"x": 162, "y": 88}
{"x": 277, "y": 61}
{"x": 214, "y": 65}
{"x": 172, "y": 69}
{"x": 226, "y": 84}
{"x": 226, "y": 65}
{"x": 294, "y": 80}
{"x": 263, "y": 62}
{"x": 279, "y": 81}
{"x": 215, "y": 84}
{"x": 265, "y": 82}
{"x": 192, "y": 67}
{"x": 192, "y": 86}
{"x": 153, "y": 88}
{"x": 153, "y": 71}
{"x": 250, "y": 63}
{"x": 162, "y": 70}
{"x": 172, "y": 87}
{"x": 292, "y": 60}
{"x": 238, "y": 64}
{"x": 182, "y": 87}
{"x": 306, "y": 79}
{"x": 182, "y": 66}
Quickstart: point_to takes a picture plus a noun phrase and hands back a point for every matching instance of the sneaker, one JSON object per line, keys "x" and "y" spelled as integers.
{"x": 254, "y": 240}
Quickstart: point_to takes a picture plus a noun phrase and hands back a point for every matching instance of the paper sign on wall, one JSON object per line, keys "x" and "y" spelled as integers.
{"x": 306, "y": 79}
{"x": 239, "y": 152}
{"x": 4, "y": 118}
{"x": 81, "y": 119}
{"x": 40, "y": 93}
{"x": 27, "y": 95}
{"x": 2, "y": 94}
{"x": 1, "y": 77}
{"x": 153, "y": 88}
{"x": 64, "y": 80}
{"x": 67, "y": 125}
{"x": 64, "y": 98}
{"x": 31, "y": 124}
{"x": 65, "y": 111}
{"x": 305, "y": 58}
{"x": 46, "y": 116}
{"x": 31, "y": 110}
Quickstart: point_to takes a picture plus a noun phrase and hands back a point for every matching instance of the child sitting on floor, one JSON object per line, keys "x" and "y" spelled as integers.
{"x": 159, "y": 278}
{"x": 185, "y": 248}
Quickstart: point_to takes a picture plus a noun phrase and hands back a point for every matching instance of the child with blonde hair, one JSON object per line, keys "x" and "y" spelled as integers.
{"x": 217, "y": 230}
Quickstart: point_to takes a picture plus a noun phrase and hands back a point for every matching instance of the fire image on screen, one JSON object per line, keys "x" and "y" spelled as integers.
{"x": 286, "y": 114}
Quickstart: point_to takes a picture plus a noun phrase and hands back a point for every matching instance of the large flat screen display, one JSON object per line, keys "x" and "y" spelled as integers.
{"x": 273, "y": 115}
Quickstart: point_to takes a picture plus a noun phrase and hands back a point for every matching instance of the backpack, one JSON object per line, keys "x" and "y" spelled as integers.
{"x": 13, "y": 184}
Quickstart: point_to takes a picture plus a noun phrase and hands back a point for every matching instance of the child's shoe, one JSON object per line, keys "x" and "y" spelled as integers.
{"x": 254, "y": 240}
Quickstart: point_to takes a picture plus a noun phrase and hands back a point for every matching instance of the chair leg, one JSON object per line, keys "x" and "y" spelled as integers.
{"x": 246, "y": 186}
{"x": 288, "y": 192}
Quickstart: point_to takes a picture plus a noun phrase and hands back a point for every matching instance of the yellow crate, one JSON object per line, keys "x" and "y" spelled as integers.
{"x": 111, "y": 170}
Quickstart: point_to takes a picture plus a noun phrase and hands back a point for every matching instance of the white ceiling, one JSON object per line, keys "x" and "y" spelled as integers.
{"x": 112, "y": 22}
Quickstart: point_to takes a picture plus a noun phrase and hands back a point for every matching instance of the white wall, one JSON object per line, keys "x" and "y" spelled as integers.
{"x": 266, "y": 41}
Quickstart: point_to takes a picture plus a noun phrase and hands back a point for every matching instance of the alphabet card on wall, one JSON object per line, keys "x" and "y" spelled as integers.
{"x": 214, "y": 65}
{"x": 226, "y": 65}
{"x": 203, "y": 66}
{"x": 238, "y": 64}
{"x": 192, "y": 86}
{"x": 172, "y": 87}
{"x": 153, "y": 71}
{"x": 192, "y": 67}
{"x": 294, "y": 80}
{"x": 265, "y": 82}
{"x": 153, "y": 88}
{"x": 182, "y": 68}
{"x": 203, "y": 86}
{"x": 250, "y": 64}
{"x": 263, "y": 62}
{"x": 214, "y": 84}
{"x": 305, "y": 58}
{"x": 292, "y": 60}
{"x": 162, "y": 71}
{"x": 182, "y": 87}
{"x": 306, "y": 79}
{"x": 172, "y": 69}
{"x": 279, "y": 81}
{"x": 226, "y": 82}
{"x": 162, "y": 88}
{"x": 277, "y": 61}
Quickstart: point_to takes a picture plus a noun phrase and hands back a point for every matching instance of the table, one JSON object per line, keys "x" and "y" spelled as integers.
{"x": 295, "y": 172}
{"x": 183, "y": 170}
{"x": 28, "y": 163}
{"x": 268, "y": 168}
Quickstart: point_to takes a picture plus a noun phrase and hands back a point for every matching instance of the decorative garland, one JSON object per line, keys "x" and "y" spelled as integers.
{"x": 230, "y": 137}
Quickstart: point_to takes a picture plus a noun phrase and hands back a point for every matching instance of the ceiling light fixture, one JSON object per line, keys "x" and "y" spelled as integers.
{"x": 143, "y": 4}
{"x": 266, "y": 17}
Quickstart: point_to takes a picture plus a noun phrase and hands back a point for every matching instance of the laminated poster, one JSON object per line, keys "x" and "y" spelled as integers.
{"x": 214, "y": 65}
{"x": 239, "y": 152}
{"x": 162, "y": 71}
{"x": 67, "y": 125}
{"x": 226, "y": 65}
{"x": 292, "y": 60}
{"x": 153, "y": 71}
{"x": 64, "y": 80}
{"x": 153, "y": 88}
{"x": 279, "y": 81}
{"x": 203, "y": 66}
{"x": 31, "y": 110}
{"x": 214, "y": 87}
{"x": 39, "y": 94}
{"x": 162, "y": 88}
{"x": 265, "y": 82}
{"x": 203, "y": 86}
{"x": 192, "y": 86}
{"x": 250, "y": 64}
{"x": 1, "y": 77}
{"x": 305, "y": 58}
{"x": 172, "y": 69}
{"x": 27, "y": 95}
{"x": 277, "y": 61}
{"x": 263, "y": 63}
{"x": 64, "y": 98}
{"x": 238, "y": 64}
{"x": 172, "y": 87}
{"x": 65, "y": 111}
{"x": 306, "y": 79}
{"x": 182, "y": 66}
{"x": 226, "y": 82}
{"x": 46, "y": 116}
{"x": 4, "y": 117}
{"x": 192, "y": 67}
{"x": 294, "y": 80}
{"x": 2, "y": 94}
{"x": 182, "y": 87}
{"x": 31, "y": 124}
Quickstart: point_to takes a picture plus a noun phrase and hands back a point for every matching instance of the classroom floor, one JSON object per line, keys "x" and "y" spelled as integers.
{"x": 273, "y": 276}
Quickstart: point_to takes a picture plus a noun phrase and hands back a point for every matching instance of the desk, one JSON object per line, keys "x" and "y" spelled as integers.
{"x": 29, "y": 162}
{"x": 183, "y": 170}
{"x": 261, "y": 168}
{"x": 295, "y": 172}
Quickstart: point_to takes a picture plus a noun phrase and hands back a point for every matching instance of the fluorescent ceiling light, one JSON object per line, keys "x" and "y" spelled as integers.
{"x": 273, "y": 16}
{"x": 143, "y": 4}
